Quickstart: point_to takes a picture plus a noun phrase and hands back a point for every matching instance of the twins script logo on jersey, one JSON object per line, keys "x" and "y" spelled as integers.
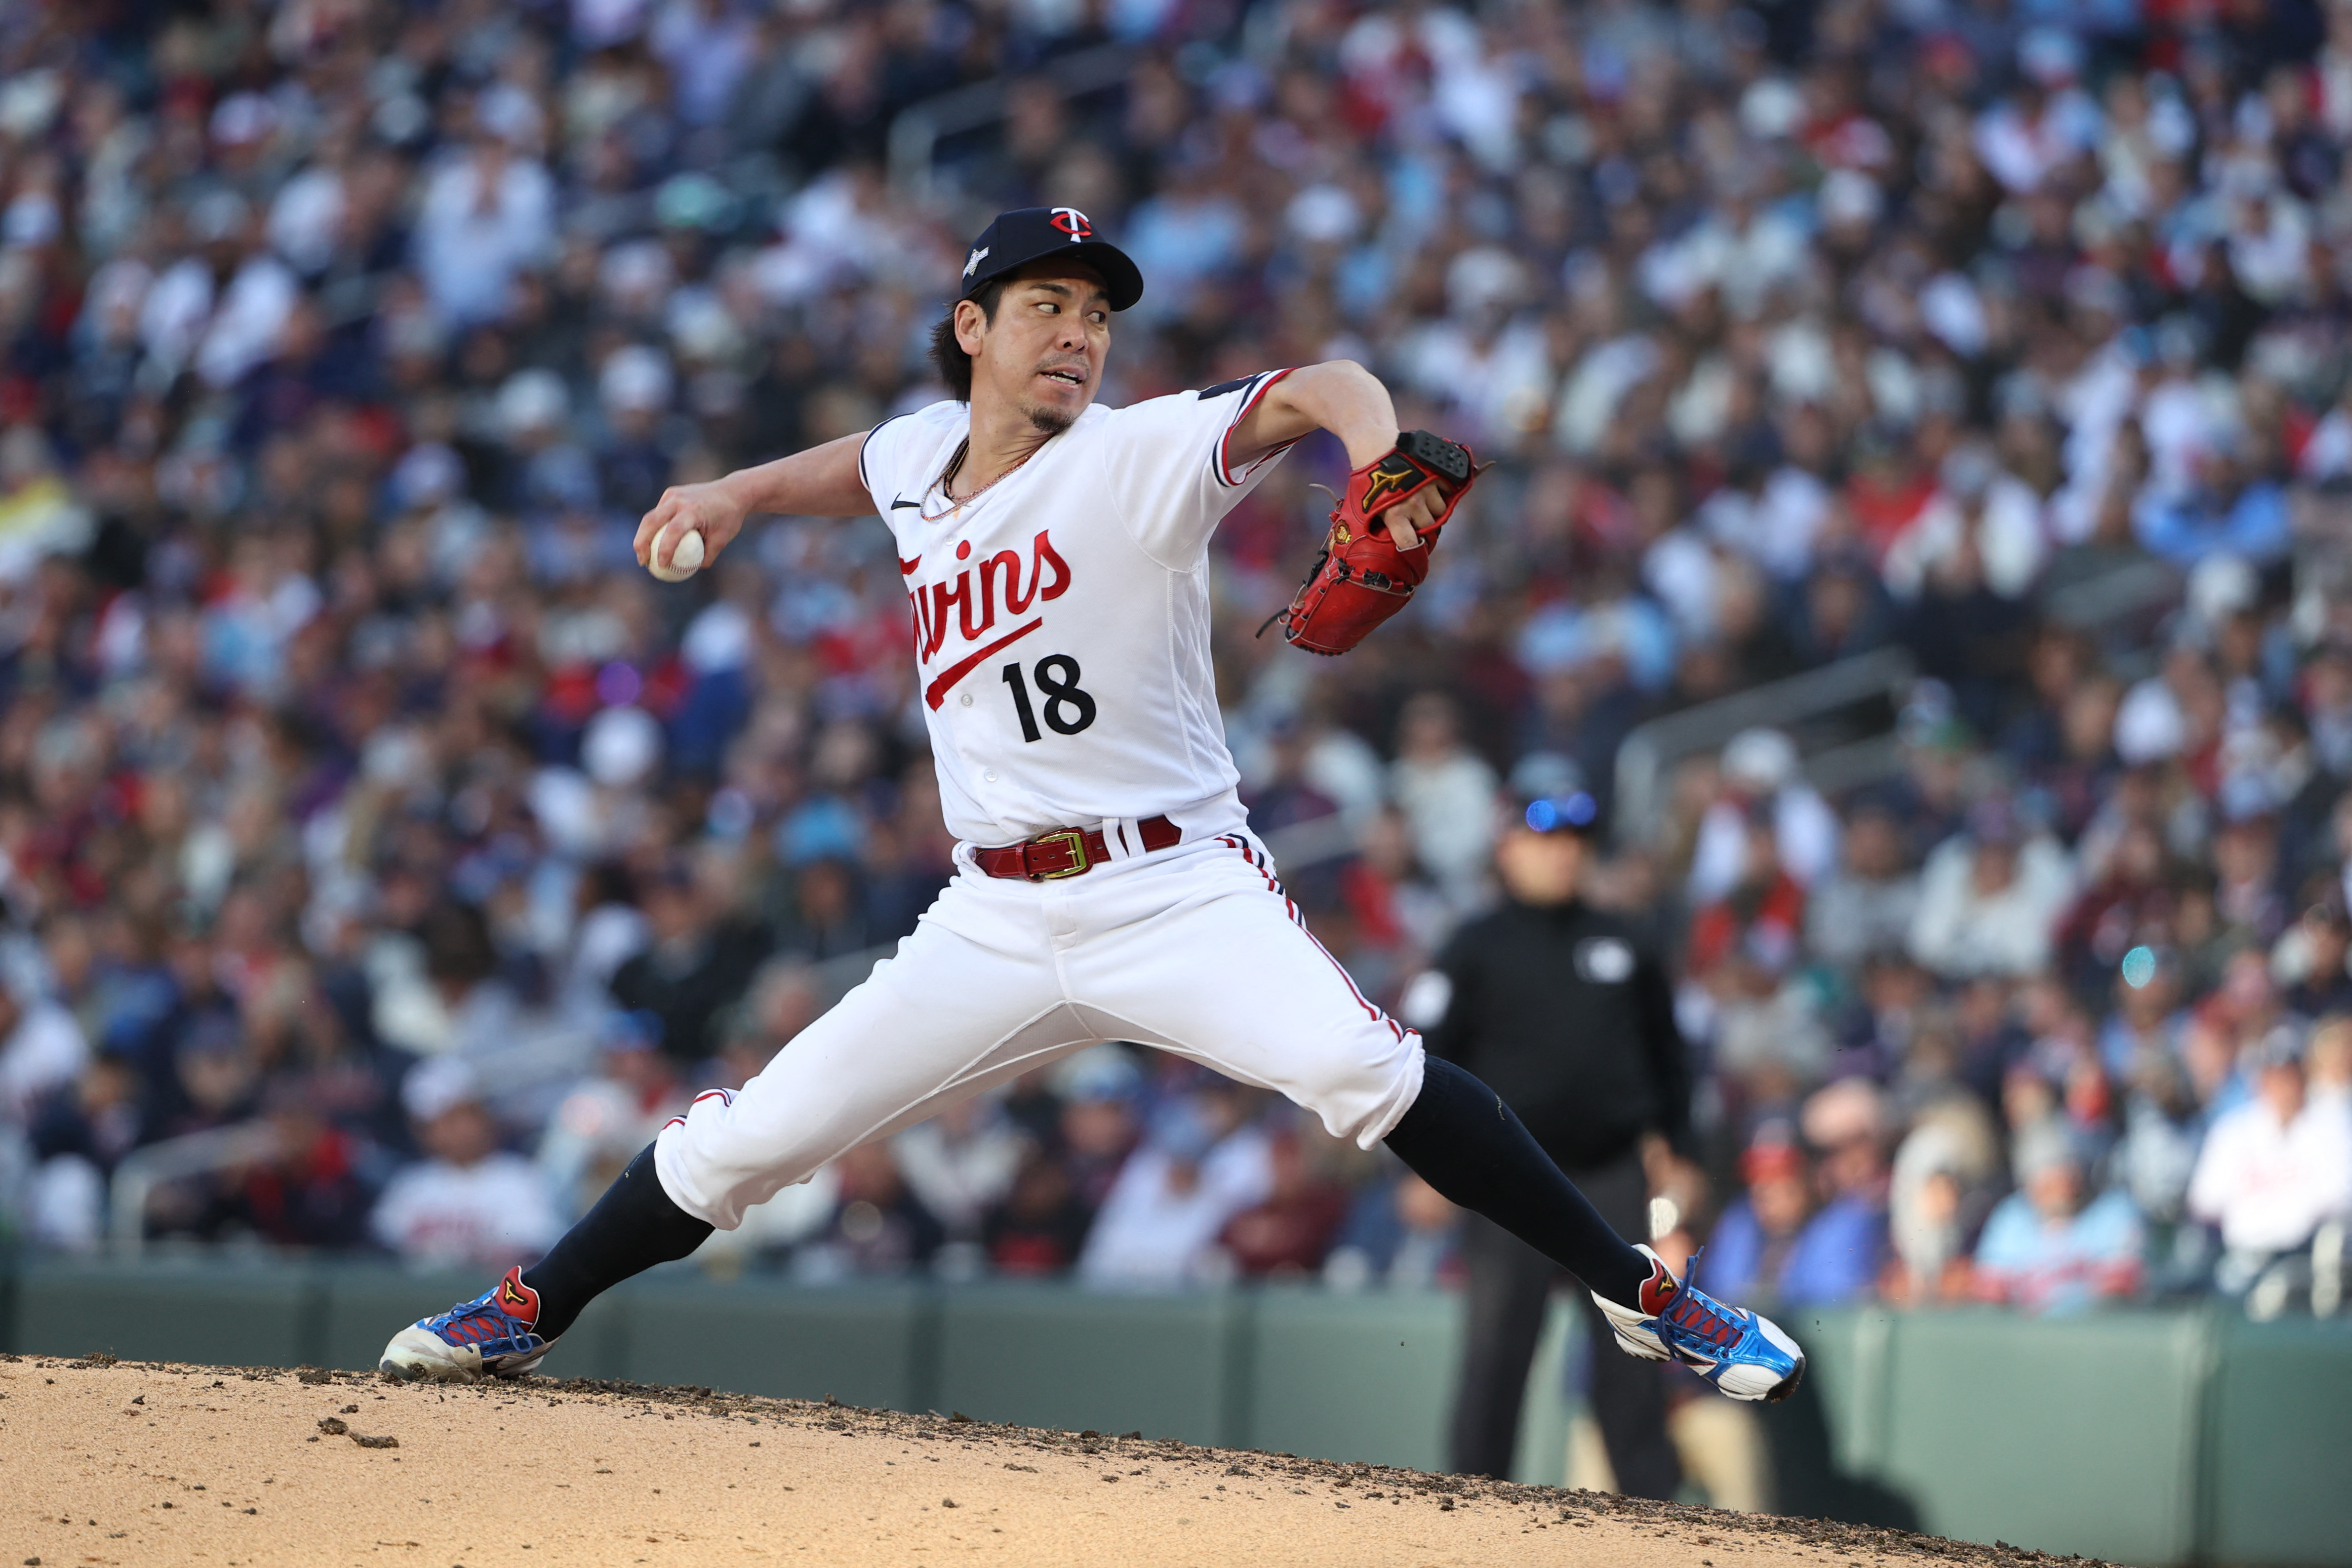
{"x": 974, "y": 604}
{"x": 1074, "y": 222}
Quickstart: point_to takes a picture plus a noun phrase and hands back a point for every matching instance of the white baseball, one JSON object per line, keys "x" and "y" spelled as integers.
{"x": 685, "y": 559}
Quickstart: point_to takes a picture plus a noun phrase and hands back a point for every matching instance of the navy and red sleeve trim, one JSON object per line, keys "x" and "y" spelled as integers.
{"x": 863, "y": 476}
{"x": 1221, "y": 461}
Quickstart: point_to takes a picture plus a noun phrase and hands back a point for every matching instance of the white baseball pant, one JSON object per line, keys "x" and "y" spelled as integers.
{"x": 1194, "y": 948}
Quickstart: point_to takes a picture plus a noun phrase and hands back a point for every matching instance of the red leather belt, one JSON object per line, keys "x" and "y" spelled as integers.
{"x": 1068, "y": 851}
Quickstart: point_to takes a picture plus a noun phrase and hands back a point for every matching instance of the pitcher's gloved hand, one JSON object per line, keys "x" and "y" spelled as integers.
{"x": 1363, "y": 575}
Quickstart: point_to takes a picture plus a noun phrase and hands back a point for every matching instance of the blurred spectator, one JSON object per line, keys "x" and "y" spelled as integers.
{"x": 468, "y": 1203}
{"x": 99, "y": 1119}
{"x": 2161, "y": 1136}
{"x": 1198, "y": 1166}
{"x": 214, "y": 1077}
{"x": 2227, "y": 509}
{"x": 1289, "y": 1235}
{"x": 41, "y": 1048}
{"x": 78, "y": 1137}
{"x": 960, "y": 1164}
{"x": 1867, "y": 905}
{"x": 1990, "y": 898}
{"x": 2315, "y": 958}
{"x": 1762, "y": 790}
{"x": 1801, "y": 1234}
{"x": 1445, "y": 791}
{"x": 784, "y": 998}
{"x": 1392, "y": 915}
{"x": 1041, "y": 1223}
{"x": 521, "y": 1057}
{"x": 319, "y": 1187}
{"x": 1846, "y": 1124}
{"x": 2146, "y": 1020}
{"x": 1283, "y": 795}
{"x": 2275, "y": 1168}
{"x": 2052, "y": 1245}
{"x": 2127, "y": 903}
{"x": 1940, "y": 1196}
{"x": 1400, "y": 1233}
{"x": 1878, "y": 1033}
{"x": 878, "y": 1226}
{"x": 697, "y": 959}
{"x": 485, "y": 215}
{"x": 2327, "y": 1065}
{"x": 1759, "y": 921}
{"x": 599, "y": 1127}
{"x": 1097, "y": 1128}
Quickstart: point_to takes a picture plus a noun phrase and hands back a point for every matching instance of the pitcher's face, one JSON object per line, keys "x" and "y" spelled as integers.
{"x": 1043, "y": 351}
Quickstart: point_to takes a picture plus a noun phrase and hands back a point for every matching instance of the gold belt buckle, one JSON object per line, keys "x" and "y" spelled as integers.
{"x": 1078, "y": 862}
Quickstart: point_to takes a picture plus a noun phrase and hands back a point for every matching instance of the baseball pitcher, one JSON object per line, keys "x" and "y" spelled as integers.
{"x": 1055, "y": 554}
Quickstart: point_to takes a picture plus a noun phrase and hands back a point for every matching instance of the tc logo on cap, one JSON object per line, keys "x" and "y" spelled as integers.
{"x": 1074, "y": 222}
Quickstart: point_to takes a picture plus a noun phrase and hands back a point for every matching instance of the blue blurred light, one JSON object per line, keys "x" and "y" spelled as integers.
{"x": 2139, "y": 966}
{"x": 1548, "y": 813}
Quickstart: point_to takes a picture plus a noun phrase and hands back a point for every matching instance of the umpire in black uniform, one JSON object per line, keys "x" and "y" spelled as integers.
{"x": 1563, "y": 1009}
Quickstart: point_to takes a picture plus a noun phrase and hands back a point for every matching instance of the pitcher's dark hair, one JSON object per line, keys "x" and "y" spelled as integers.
{"x": 955, "y": 365}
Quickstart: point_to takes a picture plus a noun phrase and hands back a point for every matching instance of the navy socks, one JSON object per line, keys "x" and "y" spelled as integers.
{"x": 632, "y": 1226}
{"x": 1461, "y": 1139}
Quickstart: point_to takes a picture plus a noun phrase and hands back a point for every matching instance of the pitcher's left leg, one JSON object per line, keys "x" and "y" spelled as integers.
{"x": 1225, "y": 973}
{"x": 1228, "y": 975}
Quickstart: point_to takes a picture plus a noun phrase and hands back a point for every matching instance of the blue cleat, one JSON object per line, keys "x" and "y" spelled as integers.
{"x": 493, "y": 1335}
{"x": 1744, "y": 1355}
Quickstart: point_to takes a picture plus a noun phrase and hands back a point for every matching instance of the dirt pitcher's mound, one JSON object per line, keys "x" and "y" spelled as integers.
{"x": 113, "y": 1462}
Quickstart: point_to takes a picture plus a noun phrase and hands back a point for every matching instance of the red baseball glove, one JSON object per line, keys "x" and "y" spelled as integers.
{"x": 1362, "y": 578}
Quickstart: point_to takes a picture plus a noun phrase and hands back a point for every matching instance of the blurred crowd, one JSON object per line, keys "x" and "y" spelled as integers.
{"x": 357, "y": 793}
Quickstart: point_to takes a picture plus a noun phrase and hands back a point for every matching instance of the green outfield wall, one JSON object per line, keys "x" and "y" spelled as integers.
{"x": 2147, "y": 1437}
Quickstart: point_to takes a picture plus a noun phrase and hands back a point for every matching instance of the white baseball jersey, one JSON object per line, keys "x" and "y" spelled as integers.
{"x": 1061, "y": 625}
{"x": 1061, "y": 617}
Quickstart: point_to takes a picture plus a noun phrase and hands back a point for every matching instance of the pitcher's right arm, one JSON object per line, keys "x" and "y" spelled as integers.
{"x": 820, "y": 482}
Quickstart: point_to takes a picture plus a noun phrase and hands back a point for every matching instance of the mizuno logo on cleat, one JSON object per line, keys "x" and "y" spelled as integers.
{"x": 517, "y": 1298}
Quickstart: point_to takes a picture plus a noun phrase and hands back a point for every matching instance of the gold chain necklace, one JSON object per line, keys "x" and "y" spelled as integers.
{"x": 955, "y": 467}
